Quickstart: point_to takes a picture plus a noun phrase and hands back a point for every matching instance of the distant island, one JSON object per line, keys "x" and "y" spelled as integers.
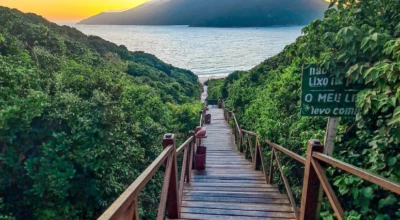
{"x": 216, "y": 13}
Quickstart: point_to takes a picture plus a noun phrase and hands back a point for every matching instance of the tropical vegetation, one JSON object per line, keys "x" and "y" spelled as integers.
{"x": 356, "y": 40}
{"x": 81, "y": 118}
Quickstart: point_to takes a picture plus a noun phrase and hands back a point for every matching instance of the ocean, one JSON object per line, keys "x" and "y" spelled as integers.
{"x": 204, "y": 51}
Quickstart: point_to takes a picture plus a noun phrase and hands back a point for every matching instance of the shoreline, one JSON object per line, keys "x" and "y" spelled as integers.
{"x": 203, "y": 78}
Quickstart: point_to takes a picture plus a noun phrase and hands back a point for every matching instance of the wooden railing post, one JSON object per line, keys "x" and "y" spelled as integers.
{"x": 201, "y": 118}
{"x": 172, "y": 193}
{"x": 311, "y": 184}
{"x": 271, "y": 167}
{"x": 192, "y": 151}
{"x": 241, "y": 149}
{"x": 257, "y": 155}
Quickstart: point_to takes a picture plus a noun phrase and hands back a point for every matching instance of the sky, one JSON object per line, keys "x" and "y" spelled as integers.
{"x": 70, "y": 10}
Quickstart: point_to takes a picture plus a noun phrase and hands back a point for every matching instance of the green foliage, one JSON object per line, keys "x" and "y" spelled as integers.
{"x": 215, "y": 88}
{"x": 80, "y": 119}
{"x": 357, "y": 40}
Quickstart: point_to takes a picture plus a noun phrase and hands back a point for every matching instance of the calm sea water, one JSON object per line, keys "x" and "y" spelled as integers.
{"x": 204, "y": 51}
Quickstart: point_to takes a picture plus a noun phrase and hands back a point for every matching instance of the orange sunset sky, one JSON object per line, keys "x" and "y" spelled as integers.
{"x": 70, "y": 10}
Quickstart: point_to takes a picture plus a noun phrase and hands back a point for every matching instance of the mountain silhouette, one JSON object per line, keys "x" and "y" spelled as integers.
{"x": 215, "y": 13}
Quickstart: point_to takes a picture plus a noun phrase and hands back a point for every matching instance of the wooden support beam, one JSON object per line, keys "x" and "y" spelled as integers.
{"x": 271, "y": 167}
{"x": 184, "y": 172}
{"x": 132, "y": 213}
{"x": 287, "y": 187}
{"x": 250, "y": 147}
{"x": 328, "y": 189}
{"x": 311, "y": 184}
{"x": 241, "y": 148}
{"x": 193, "y": 151}
{"x": 257, "y": 156}
{"x": 172, "y": 197}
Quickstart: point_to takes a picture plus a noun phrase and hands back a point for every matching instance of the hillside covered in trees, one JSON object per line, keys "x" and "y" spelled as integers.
{"x": 356, "y": 40}
{"x": 212, "y": 13}
{"x": 81, "y": 118}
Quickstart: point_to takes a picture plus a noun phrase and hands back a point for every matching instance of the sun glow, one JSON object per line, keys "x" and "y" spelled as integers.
{"x": 70, "y": 10}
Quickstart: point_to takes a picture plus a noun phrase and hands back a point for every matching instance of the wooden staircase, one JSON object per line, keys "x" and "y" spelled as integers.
{"x": 230, "y": 188}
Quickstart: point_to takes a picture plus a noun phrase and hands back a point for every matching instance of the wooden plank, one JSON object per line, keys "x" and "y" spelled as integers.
{"x": 227, "y": 162}
{"x": 240, "y": 206}
{"x": 228, "y": 177}
{"x": 230, "y": 189}
{"x": 226, "y": 166}
{"x": 130, "y": 194}
{"x": 236, "y": 194}
{"x": 236, "y": 200}
{"x": 225, "y": 217}
{"x": 328, "y": 190}
{"x": 230, "y": 184}
{"x": 226, "y": 173}
{"x": 213, "y": 180}
{"x": 287, "y": 152}
{"x": 363, "y": 174}
{"x": 230, "y": 212}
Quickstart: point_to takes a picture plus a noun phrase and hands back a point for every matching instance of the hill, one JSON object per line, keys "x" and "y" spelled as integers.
{"x": 211, "y": 13}
{"x": 81, "y": 118}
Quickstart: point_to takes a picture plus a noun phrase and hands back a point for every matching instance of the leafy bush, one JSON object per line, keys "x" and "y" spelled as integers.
{"x": 215, "y": 88}
{"x": 356, "y": 40}
{"x": 81, "y": 118}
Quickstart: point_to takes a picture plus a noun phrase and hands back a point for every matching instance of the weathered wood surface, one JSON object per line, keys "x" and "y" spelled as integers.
{"x": 230, "y": 188}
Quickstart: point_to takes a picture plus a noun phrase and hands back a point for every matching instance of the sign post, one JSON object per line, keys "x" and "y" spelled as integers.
{"x": 324, "y": 95}
{"x": 330, "y": 135}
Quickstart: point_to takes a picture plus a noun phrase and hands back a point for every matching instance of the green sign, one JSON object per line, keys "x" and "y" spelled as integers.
{"x": 323, "y": 95}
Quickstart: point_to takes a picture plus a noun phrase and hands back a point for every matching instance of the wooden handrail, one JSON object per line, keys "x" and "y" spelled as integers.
{"x": 287, "y": 152}
{"x": 363, "y": 174}
{"x": 184, "y": 145}
{"x": 249, "y": 132}
{"x": 126, "y": 205}
{"x": 314, "y": 174}
{"x": 127, "y": 198}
